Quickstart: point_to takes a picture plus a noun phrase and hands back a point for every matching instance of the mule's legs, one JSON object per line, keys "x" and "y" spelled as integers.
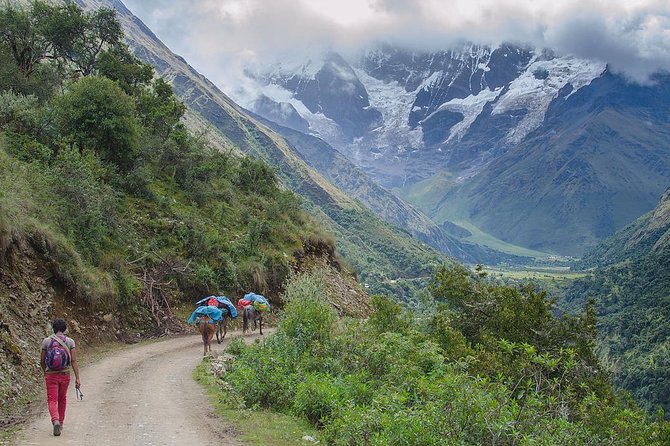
{"x": 225, "y": 329}
{"x": 260, "y": 324}
{"x": 207, "y": 335}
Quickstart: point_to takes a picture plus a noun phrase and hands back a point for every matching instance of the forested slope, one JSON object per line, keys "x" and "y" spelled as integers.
{"x": 631, "y": 290}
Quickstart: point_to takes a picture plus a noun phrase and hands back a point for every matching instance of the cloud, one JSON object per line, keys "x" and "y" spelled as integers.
{"x": 219, "y": 37}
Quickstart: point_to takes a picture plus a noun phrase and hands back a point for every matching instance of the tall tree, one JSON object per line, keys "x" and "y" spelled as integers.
{"x": 21, "y": 30}
{"x": 79, "y": 37}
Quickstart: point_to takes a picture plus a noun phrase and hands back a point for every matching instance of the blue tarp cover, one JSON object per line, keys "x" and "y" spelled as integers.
{"x": 232, "y": 311}
{"x": 253, "y": 297}
{"x": 214, "y": 313}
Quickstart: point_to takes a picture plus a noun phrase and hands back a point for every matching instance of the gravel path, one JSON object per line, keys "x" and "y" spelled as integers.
{"x": 144, "y": 395}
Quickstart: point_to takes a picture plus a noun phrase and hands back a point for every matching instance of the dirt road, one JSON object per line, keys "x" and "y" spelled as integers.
{"x": 144, "y": 395}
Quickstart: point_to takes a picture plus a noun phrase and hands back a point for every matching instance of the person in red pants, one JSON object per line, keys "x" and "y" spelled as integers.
{"x": 59, "y": 355}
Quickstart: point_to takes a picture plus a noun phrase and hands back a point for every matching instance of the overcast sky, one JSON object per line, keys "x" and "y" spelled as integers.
{"x": 219, "y": 37}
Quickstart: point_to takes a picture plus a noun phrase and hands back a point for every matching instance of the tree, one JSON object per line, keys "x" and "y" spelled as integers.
{"x": 159, "y": 108}
{"x": 78, "y": 37}
{"x": 96, "y": 114}
{"x": 118, "y": 64}
{"x": 63, "y": 33}
{"x": 21, "y": 29}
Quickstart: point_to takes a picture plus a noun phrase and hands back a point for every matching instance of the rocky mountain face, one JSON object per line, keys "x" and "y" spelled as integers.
{"x": 352, "y": 180}
{"x": 333, "y": 90}
{"x": 534, "y": 143}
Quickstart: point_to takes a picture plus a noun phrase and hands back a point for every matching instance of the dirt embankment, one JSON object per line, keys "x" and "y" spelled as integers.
{"x": 32, "y": 293}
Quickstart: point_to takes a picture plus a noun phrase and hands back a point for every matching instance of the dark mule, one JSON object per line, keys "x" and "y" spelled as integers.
{"x": 206, "y": 329}
{"x": 221, "y": 329}
{"x": 250, "y": 314}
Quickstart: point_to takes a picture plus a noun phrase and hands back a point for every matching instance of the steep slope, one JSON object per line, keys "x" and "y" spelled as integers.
{"x": 351, "y": 179}
{"x": 648, "y": 234}
{"x": 631, "y": 291}
{"x": 373, "y": 247}
{"x": 599, "y": 160}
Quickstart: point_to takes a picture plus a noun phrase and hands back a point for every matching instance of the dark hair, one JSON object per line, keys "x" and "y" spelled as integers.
{"x": 59, "y": 325}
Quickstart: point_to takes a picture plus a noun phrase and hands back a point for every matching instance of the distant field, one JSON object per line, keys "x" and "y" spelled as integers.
{"x": 535, "y": 273}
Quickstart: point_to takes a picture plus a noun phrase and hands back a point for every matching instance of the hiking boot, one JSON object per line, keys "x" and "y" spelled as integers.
{"x": 57, "y": 428}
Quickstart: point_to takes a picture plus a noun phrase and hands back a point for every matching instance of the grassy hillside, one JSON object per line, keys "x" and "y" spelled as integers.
{"x": 373, "y": 247}
{"x": 631, "y": 291}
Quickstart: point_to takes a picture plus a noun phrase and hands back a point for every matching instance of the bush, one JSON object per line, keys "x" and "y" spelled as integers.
{"x": 96, "y": 114}
{"x": 388, "y": 316}
{"x": 307, "y": 319}
{"x": 87, "y": 207}
{"x": 317, "y": 398}
{"x": 380, "y": 383}
{"x": 18, "y": 113}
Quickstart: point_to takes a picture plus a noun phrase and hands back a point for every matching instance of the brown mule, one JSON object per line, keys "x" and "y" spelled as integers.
{"x": 206, "y": 329}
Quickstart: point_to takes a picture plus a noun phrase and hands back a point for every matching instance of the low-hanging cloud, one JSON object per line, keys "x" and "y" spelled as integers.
{"x": 221, "y": 37}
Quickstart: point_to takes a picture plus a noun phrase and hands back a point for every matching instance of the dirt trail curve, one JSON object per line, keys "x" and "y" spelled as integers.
{"x": 144, "y": 395}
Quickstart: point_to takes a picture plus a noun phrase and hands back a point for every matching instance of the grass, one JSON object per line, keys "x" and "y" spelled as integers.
{"x": 536, "y": 273}
{"x": 254, "y": 427}
{"x": 7, "y": 435}
{"x": 485, "y": 239}
{"x": 427, "y": 194}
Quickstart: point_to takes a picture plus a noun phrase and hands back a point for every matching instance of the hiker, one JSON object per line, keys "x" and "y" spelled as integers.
{"x": 58, "y": 354}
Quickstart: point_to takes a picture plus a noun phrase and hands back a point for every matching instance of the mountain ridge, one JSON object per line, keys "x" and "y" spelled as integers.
{"x": 495, "y": 119}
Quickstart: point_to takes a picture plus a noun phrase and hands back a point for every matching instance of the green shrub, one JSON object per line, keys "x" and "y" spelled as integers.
{"x": 317, "y": 398}
{"x": 97, "y": 114}
{"x": 307, "y": 319}
{"x": 18, "y": 113}
{"x": 379, "y": 382}
{"x": 388, "y": 316}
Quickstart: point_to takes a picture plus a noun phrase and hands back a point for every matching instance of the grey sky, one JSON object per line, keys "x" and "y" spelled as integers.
{"x": 219, "y": 37}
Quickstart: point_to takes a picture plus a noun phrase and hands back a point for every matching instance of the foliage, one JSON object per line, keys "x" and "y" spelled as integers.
{"x": 388, "y": 316}
{"x": 632, "y": 303}
{"x": 382, "y": 382}
{"x": 96, "y": 114}
{"x": 100, "y": 176}
{"x": 62, "y": 33}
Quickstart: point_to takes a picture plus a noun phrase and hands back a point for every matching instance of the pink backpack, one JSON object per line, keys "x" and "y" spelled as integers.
{"x": 58, "y": 354}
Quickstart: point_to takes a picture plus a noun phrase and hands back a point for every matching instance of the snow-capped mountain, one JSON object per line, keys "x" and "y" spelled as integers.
{"x": 408, "y": 118}
{"x": 387, "y": 102}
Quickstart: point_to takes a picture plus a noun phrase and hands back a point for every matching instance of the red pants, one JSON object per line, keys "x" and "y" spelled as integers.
{"x": 57, "y": 384}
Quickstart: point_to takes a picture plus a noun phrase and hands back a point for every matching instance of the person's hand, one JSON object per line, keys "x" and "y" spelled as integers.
{"x": 77, "y": 384}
